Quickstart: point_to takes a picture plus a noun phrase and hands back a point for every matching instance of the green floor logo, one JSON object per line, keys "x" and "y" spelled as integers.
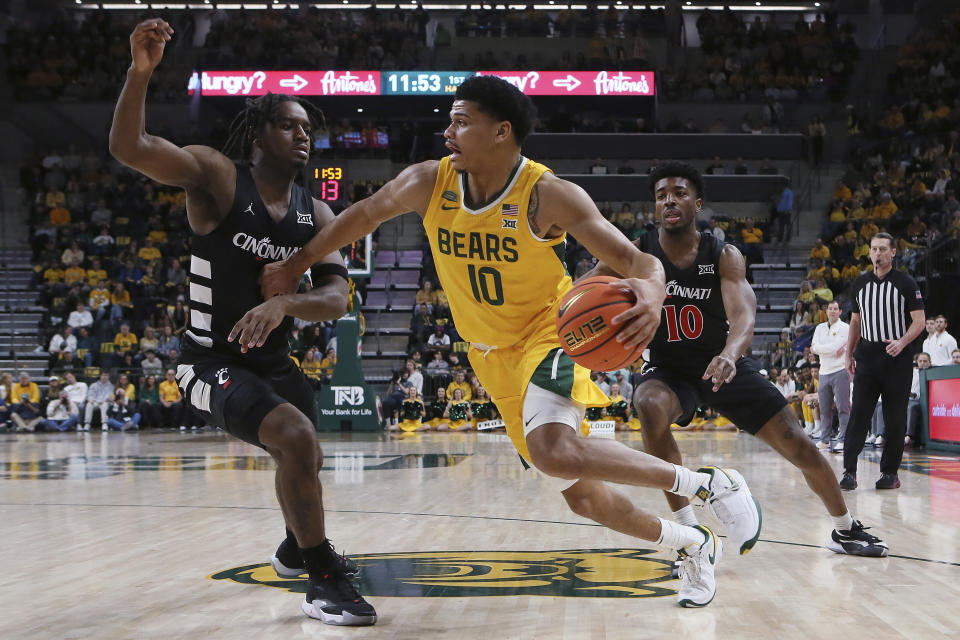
{"x": 579, "y": 573}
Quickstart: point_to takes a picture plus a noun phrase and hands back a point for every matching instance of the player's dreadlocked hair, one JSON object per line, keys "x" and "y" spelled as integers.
{"x": 257, "y": 112}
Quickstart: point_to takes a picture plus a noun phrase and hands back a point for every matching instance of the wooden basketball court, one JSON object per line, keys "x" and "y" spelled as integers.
{"x": 168, "y": 535}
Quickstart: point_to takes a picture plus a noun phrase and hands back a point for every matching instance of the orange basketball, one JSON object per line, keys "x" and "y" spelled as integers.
{"x": 584, "y": 324}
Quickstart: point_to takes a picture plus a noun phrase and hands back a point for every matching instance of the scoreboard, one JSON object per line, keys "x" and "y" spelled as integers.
{"x": 418, "y": 83}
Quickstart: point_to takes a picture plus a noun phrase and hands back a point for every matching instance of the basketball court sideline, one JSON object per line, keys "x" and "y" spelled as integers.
{"x": 169, "y": 535}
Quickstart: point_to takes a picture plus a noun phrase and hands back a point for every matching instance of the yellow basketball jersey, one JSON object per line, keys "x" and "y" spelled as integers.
{"x": 499, "y": 278}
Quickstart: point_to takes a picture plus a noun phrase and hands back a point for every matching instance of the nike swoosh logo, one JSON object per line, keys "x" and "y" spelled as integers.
{"x": 446, "y": 208}
{"x": 570, "y": 302}
{"x": 527, "y": 423}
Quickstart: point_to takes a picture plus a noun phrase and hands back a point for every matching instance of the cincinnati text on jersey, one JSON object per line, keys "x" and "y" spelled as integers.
{"x": 694, "y": 293}
{"x": 263, "y": 249}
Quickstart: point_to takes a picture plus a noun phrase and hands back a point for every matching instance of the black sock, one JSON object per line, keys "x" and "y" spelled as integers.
{"x": 291, "y": 538}
{"x": 318, "y": 560}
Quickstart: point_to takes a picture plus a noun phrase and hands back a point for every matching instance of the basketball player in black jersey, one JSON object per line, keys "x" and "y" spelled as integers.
{"x": 696, "y": 356}
{"x": 244, "y": 216}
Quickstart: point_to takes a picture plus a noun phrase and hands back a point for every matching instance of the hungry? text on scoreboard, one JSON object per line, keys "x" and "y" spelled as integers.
{"x": 417, "y": 83}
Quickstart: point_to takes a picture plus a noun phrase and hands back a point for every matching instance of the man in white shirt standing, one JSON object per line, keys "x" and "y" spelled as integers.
{"x": 830, "y": 343}
{"x": 940, "y": 344}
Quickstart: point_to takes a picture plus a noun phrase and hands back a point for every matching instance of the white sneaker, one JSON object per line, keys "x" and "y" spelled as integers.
{"x": 870, "y": 439}
{"x": 837, "y": 447}
{"x": 697, "y": 582}
{"x": 728, "y": 498}
{"x": 183, "y": 427}
{"x": 104, "y": 427}
{"x": 878, "y": 442}
{"x": 86, "y": 427}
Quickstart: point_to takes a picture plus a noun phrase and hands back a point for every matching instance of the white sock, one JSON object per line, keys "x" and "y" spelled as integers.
{"x": 842, "y": 523}
{"x": 688, "y": 482}
{"x": 686, "y": 516}
{"x": 816, "y": 425}
{"x": 678, "y": 536}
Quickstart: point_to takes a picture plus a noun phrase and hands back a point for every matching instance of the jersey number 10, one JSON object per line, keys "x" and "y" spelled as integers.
{"x": 690, "y": 322}
{"x": 486, "y": 284}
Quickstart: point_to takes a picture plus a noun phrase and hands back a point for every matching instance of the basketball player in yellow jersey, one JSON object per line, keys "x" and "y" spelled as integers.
{"x": 496, "y": 222}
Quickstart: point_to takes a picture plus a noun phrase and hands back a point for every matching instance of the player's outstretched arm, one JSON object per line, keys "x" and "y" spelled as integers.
{"x": 567, "y": 206}
{"x": 191, "y": 168}
{"x": 326, "y": 300}
{"x": 409, "y": 191}
{"x": 740, "y": 305}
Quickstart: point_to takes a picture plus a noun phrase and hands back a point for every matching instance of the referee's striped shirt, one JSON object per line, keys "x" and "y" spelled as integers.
{"x": 885, "y": 304}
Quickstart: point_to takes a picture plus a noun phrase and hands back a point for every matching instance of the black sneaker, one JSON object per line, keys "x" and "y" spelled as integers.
{"x": 288, "y": 563}
{"x": 334, "y": 600}
{"x": 675, "y": 568}
{"x": 857, "y": 542}
{"x": 848, "y": 482}
{"x": 888, "y": 481}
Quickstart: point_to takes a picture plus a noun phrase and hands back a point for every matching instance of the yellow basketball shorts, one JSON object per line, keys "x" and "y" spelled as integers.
{"x": 505, "y": 373}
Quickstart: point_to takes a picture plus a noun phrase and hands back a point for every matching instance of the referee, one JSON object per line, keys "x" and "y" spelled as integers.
{"x": 887, "y": 316}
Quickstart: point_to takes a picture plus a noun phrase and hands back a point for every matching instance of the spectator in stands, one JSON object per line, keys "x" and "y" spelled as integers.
{"x": 80, "y": 318}
{"x": 72, "y": 255}
{"x": 955, "y": 356}
{"x": 426, "y": 295}
{"x": 151, "y": 365}
{"x": 99, "y": 300}
{"x": 77, "y": 390}
{"x": 422, "y": 324}
{"x": 439, "y": 341}
{"x": 62, "y": 341}
{"x": 914, "y": 415}
{"x": 103, "y": 243}
{"x": 62, "y": 413}
{"x": 125, "y": 342}
{"x": 714, "y": 230}
{"x": 311, "y": 368}
{"x": 25, "y": 386}
{"x": 149, "y": 405}
{"x": 801, "y": 318}
{"x": 171, "y": 402}
{"x": 414, "y": 376}
{"x": 460, "y": 382}
{"x": 598, "y": 167}
{"x": 752, "y": 237}
{"x": 820, "y": 250}
{"x": 122, "y": 414}
{"x": 716, "y": 168}
{"x": 6, "y": 387}
{"x": 4, "y": 416}
{"x": 940, "y": 345}
{"x": 328, "y": 364}
{"x": 176, "y": 275}
{"x": 67, "y": 362}
{"x": 168, "y": 341}
{"x": 438, "y": 366}
{"x": 26, "y": 413}
{"x": 180, "y": 317}
{"x": 99, "y": 395}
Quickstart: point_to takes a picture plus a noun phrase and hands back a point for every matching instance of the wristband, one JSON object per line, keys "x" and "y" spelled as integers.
{"x": 328, "y": 269}
{"x": 729, "y": 361}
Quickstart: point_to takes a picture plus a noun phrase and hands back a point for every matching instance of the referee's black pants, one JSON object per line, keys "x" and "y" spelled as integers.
{"x": 877, "y": 374}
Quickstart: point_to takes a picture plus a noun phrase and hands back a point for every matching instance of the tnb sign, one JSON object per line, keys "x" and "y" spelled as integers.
{"x": 347, "y": 395}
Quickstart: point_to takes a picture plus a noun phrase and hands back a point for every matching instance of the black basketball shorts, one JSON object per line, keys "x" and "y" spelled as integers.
{"x": 748, "y": 401}
{"x": 236, "y": 398}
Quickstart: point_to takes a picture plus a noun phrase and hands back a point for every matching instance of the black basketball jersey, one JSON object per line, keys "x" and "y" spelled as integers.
{"x": 694, "y": 326}
{"x": 225, "y": 268}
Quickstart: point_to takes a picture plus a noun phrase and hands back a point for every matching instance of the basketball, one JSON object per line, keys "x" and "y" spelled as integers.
{"x": 584, "y": 324}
